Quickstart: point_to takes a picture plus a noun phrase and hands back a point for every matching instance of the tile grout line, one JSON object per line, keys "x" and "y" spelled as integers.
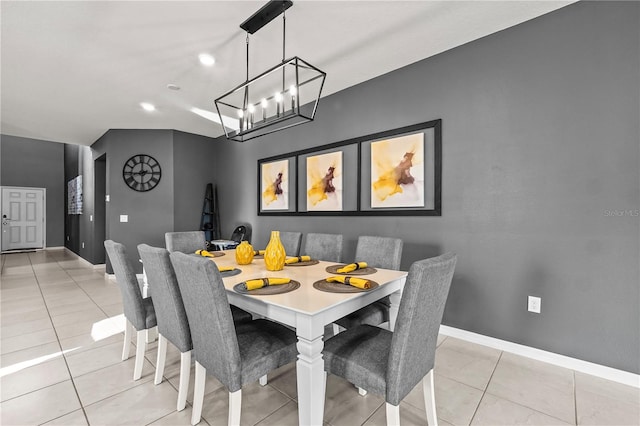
{"x": 514, "y": 402}
{"x": 484, "y": 392}
{"x": 73, "y": 383}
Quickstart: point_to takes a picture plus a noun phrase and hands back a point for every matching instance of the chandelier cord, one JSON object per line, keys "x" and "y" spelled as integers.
{"x": 246, "y": 89}
{"x": 284, "y": 38}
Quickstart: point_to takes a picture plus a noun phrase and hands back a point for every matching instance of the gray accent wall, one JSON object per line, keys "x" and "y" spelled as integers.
{"x": 150, "y": 214}
{"x": 37, "y": 164}
{"x": 195, "y": 165}
{"x": 541, "y": 184}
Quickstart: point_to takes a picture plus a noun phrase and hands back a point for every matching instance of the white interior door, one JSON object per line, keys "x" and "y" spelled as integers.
{"x": 23, "y": 218}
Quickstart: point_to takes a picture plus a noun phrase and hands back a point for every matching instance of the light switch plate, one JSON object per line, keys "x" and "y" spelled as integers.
{"x": 124, "y": 218}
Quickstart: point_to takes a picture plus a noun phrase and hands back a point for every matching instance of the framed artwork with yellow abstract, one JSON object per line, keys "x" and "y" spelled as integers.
{"x": 324, "y": 182}
{"x": 397, "y": 172}
{"x": 274, "y": 185}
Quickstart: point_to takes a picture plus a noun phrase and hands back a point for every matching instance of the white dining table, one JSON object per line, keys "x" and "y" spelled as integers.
{"x": 308, "y": 311}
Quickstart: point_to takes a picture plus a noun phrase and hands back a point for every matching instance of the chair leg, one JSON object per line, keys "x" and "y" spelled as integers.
{"x": 162, "y": 356}
{"x": 126, "y": 348}
{"x": 198, "y": 393}
{"x": 430, "y": 398}
{"x": 140, "y": 348}
{"x": 263, "y": 380}
{"x": 235, "y": 404}
{"x": 151, "y": 334}
{"x": 362, "y": 392}
{"x": 393, "y": 415}
{"x": 185, "y": 372}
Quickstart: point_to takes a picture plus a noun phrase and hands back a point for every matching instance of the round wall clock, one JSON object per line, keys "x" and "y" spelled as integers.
{"x": 141, "y": 172}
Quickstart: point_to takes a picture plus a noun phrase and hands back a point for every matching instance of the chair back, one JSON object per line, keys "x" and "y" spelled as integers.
{"x": 167, "y": 300}
{"x": 413, "y": 345}
{"x": 241, "y": 233}
{"x": 186, "y": 242}
{"x": 132, "y": 303}
{"x": 213, "y": 332}
{"x": 379, "y": 252}
{"x": 291, "y": 241}
{"x": 326, "y": 247}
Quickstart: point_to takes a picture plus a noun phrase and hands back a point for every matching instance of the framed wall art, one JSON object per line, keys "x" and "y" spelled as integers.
{"x": 276, "y": 185}
{"x": 392, "y": 173}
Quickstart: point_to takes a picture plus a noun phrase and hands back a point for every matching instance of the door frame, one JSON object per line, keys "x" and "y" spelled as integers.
{"x": 44, "y": 214}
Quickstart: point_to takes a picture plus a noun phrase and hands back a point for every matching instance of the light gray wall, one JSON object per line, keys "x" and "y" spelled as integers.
{"x": 38, "y": 164}
{"x": 195, "y": 163}
{"x": 540, "y": 146}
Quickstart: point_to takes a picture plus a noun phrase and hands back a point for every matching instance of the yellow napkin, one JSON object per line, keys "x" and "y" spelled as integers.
{"x": 356, "y": 282}
{"x": 226, "y": 268}
{"x": 258, "y": 252}
{"x": 204, "y": 253}
{"x": 297, "y": 259}
{"x": 352, "y": 267}
{"x": 264, "y": 282}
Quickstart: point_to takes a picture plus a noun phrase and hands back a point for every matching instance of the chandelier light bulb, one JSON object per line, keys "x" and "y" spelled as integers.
{"x": 293, "y": 90}
{"x": 241, "y": 117}
{"x": 278, "y": 97}
{"x": 264, "y": 104}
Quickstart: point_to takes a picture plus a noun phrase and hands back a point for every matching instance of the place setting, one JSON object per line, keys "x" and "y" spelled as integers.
{"x": 300, "y": 261}
{"x": 266, "y": 286}
{"x": 228, "y": 271}
{"x": 345, "y": 284}
{"x": 210, "y": 254}
{"x": 356, "y": 268}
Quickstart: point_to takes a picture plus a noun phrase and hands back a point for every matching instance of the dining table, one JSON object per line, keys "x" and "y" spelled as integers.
{"x": 307, "y": 310}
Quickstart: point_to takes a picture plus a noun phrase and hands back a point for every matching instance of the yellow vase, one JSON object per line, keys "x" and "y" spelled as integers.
{"x": 244, "y": 253}
{"x": 274, "y": 254}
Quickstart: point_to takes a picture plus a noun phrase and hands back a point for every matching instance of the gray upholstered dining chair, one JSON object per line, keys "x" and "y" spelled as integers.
{"x": 291, "y": 242}
{"x": 326, "y": 247}
{"x": 173, "y": 324}
{"x": 186, "y": 242}
{"x": 378, "y": 252}
{"x": 235, "y": 354}
{"x": 391, "y": 364}
{"x": 138, "y": 311}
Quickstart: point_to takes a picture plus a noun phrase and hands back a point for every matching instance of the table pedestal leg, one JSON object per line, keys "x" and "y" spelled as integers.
{"x": 311, "y": 381}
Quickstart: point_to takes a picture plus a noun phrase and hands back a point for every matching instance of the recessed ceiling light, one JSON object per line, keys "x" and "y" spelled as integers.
{"x": 147, "y": 106}
{"x": 172, "y": 86}
{"x": 206, "y": 59}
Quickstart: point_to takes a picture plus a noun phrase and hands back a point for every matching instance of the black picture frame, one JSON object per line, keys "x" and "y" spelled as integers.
{"x": 357, "y": 184}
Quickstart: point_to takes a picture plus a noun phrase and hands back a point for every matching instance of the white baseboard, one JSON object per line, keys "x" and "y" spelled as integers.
{"x": 97, "y": 266}
{"x": 586, "y": 367}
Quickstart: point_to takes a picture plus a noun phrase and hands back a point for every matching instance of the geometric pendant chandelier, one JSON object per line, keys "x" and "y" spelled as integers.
{"x": 283, "y": 96}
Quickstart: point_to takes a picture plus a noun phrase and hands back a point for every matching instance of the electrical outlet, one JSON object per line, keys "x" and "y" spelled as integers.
{"x": 82, "y": 245}
{"x": 90, "y": 218}
{"x": 534, "y": 304}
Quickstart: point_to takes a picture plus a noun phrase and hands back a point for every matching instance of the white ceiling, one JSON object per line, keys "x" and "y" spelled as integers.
{"x": 72, "y": 70}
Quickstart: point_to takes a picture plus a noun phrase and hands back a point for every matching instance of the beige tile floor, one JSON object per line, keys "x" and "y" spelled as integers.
{"x": 60, "y": 365}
